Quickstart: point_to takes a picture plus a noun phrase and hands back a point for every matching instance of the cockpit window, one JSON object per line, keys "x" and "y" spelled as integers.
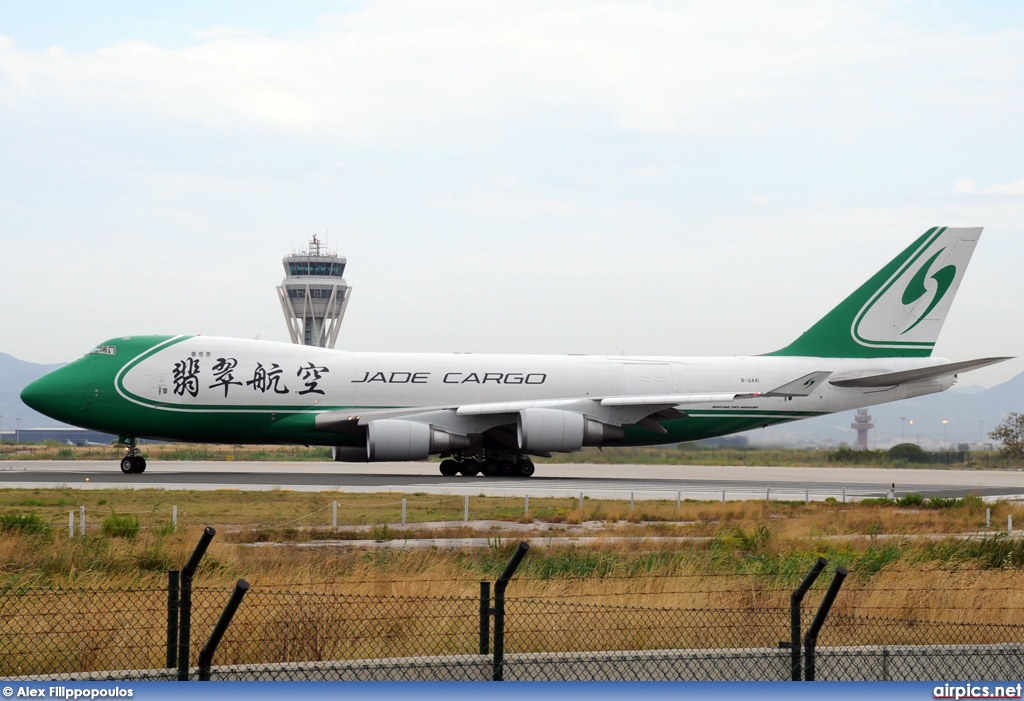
{"x": 103, "y": 350}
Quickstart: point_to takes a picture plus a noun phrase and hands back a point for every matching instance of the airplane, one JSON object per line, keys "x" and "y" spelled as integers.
{"x": 491, "y": 413}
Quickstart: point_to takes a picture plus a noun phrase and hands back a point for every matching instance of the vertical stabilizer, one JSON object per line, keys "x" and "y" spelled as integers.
{"x": 898, "y": 312}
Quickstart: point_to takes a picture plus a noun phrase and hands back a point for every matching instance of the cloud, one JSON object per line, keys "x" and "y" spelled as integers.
{"x": 968, "y": 187}
{"x": 401, "y": 69}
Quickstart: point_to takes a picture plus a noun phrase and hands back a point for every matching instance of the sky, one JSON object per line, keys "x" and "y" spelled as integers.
{"x": 684, "y": 178}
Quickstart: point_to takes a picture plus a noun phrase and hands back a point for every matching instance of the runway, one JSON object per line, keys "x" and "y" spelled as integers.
{"x": 595, "y": 481}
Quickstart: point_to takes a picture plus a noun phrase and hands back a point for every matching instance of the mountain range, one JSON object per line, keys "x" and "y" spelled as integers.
{"x": 14, "y": 375}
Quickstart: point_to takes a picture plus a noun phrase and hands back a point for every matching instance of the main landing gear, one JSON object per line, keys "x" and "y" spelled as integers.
{"x": 133, "y": 463}
{"x": 491, "y": 464}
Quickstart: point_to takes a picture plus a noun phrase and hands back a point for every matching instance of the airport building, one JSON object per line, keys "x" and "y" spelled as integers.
{"x": 314, "y": 295}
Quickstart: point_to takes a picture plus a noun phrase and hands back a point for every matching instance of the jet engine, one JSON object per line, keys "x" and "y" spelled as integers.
{"x": 394, "y": 439}
{"x": 553, "y": 430}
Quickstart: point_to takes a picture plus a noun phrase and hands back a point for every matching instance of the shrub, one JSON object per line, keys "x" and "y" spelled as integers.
{"x": 26, "y": 523}
{"x": 115, "y": 526}
{"x": 845, "y": 454}
{"x": 971, "y": 502}
{"x": 909, "y": 452}
{"x": 382, "y": 532}
{"x": 910, "y": 500}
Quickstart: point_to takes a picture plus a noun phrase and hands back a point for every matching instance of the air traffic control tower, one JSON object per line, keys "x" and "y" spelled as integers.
{"x": 314, "y": 295}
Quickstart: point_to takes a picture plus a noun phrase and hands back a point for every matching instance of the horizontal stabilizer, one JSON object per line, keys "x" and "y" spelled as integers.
{"x": 801, "y": 387}
{"x": 891, "y": 379}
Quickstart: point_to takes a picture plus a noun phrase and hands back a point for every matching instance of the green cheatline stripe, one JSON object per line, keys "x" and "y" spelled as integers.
{"x": 119, "y": 378}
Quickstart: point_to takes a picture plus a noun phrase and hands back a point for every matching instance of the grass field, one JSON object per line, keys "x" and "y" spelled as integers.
{"x": 906, "y": 561}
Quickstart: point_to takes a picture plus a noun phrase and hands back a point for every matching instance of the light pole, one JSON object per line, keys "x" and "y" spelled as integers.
{"x": 912, "y": 428}
{"x": 945, "y": 445}
{"x": 17, "y": 431}
{"x": 903, "y": 435}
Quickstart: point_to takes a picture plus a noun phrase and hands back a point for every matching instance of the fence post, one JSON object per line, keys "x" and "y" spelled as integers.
{"x": 844, "y": 495}
{"x": 988, "y": 517}
{"x": 1009, "y": 524}
{"x": 632, "y": 502}
{"x": 206, "y": 654}
{"x": 403, "y": 511}
{"x": 807, "y": 495}
{"x": 581, "y": 504}
{"x": 679, "y": 500}
{"x": 485, "y": 618}
{"x": 174, "y": 517}
{"x": 499, "y": 609}
{"x": 526, "y": 507}
{"x": 723, "y": 496}
{"x": 71, "y": 523}
{"x": 795, "y": 600}
{"x": 768, "y": 496}
{"x": 811, "y": 639}
{"x": 334, "y": 514}
{"x": 172, "y": 619}
{"x": 81, "y": 520}
{"x": 465, "y": 510}
{"x": 185, "y": 607}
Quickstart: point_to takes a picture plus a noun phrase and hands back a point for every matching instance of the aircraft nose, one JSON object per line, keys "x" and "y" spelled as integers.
{"x": 52, "y": 395}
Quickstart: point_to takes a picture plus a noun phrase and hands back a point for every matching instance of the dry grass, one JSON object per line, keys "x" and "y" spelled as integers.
{"x": 653, "y": 572}
{"x": 703, "y": 555}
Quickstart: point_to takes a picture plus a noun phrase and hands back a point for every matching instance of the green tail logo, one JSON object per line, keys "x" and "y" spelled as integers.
{"x": 916, "y": 289}
{"x": 883, "y": 317}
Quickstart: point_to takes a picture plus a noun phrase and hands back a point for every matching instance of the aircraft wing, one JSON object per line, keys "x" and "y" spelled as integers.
{"x": 892, "y": 379}
{"x": 624, "y": 410}
{"x": 537, "y": 427}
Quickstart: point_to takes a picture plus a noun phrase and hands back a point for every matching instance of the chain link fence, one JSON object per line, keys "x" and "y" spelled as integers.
{"x": 123, "y": 635}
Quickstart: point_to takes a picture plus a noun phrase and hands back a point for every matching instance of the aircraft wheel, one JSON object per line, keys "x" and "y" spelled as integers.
{"x": 449, "y": 468}
{"x": 140, "y": 464}
{"x": 490, "y": 468}
{"x": 470, "y": 468}
{"x": 507, "y": 467}
{"x": 128, "y": 465}
{"x": 526, "y": 468}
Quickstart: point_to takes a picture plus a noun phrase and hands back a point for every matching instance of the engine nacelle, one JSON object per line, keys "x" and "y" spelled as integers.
{"x": 554, "y": 430}
{"x": 394, "y": 439}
